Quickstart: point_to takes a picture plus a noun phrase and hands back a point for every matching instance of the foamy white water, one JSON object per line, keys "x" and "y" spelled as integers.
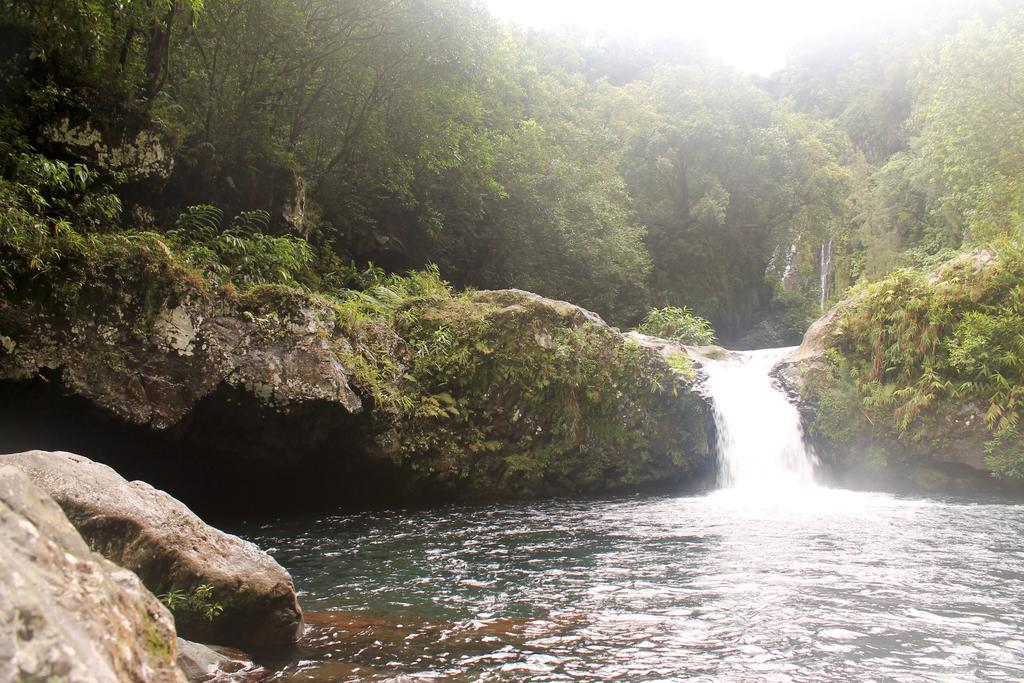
{"x": 761, "y": 444}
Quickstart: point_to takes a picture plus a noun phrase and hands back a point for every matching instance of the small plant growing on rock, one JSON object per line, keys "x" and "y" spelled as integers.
{"x": 198, "y": 600}
{"x": 682, "y": 365}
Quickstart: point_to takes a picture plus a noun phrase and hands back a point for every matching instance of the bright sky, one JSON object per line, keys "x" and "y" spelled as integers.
{"x": 752, "y": 35}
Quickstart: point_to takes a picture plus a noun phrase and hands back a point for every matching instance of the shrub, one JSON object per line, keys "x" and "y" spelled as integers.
{"x": 196, "y": 601}
{"x": 678, "y": 324}
{"x": 241, "y": 253}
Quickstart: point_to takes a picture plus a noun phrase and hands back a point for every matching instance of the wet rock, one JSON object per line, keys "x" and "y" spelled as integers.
{"x": 66, "y": 613}
{"x": 171, "y": 549}
{"x": 205, "y": 664}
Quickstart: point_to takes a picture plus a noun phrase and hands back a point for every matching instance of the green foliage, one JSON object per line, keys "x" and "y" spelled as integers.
{"x": 1005, "y": 454}
{"x": 971, "y": 128}
{"x": 785, "y": 321}
{"x": 156, "y": 642}
{"x": 723, "y": 176}
{"x": 196, "y": 601}
{"x": 54, "y": 191}
{"x": 839, "y": 402}
{"x": 486, "y": 390}
{"x": 914, "y": 341}
{"x": 50, "y": 211}
{"x": 684, "y": 365}
{"x": 241, "y": 253}
{"x": 425, "y": 132}
{"x": 370, "y": 315}
{"x": 678, "y": 324}
{"x": 118, "y": 50}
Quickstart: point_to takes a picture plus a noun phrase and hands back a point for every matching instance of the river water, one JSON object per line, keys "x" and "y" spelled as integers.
{"x": 772, "y": 577}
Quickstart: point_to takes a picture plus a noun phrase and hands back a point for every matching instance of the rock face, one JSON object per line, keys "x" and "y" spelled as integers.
{"x": 140, "y": 152}
{"x": 150, "y": 361}
{"x": 66, "y": 613}
{"x": 170, "y": 549}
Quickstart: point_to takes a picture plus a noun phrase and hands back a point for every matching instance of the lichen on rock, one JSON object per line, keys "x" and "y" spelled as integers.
{"x": 66, "y": 613}
{"x": 152, "y": 534}
{"x": 143, "y": 153}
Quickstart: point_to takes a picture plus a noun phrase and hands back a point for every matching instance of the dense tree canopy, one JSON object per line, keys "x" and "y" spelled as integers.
{"x": 620, "y": 176}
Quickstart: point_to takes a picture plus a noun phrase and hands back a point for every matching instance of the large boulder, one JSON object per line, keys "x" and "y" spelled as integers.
{"x": 251, "y": 601}
{"x": 518, "y": 395}
{"x": 438, "y": 395}
{"x": 66, "y": 613}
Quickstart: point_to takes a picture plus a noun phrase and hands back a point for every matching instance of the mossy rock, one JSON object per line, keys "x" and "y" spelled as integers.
{"x": 875, "y": 375}
{"x": 492, "y": 394}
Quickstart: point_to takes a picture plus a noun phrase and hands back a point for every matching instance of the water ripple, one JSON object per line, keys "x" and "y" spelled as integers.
{"x": 845, "y": 586}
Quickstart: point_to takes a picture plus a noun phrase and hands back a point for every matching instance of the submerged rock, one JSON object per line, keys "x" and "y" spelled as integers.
{"x": 251, "y": 598}
{"x": 204, "y": 664}
{"x": 66, "y": 613}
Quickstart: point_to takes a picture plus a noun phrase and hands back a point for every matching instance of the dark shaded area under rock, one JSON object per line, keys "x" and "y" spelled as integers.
{"x": 228, "y": 459}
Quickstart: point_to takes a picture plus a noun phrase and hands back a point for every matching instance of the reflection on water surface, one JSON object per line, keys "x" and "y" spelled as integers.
{"x": 833, "y": 584}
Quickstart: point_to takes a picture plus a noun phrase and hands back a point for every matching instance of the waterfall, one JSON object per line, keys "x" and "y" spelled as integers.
{"x": 826, "y": 272}
{"x": 789, "y": 280}
{"x": 760, "y": 441}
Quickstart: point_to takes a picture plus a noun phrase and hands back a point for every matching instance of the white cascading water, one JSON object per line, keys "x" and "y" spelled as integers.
{"x": 761, "y": 446}
{"x": 826, "y": 273}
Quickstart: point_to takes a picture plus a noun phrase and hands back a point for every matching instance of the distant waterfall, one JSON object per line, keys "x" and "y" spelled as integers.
{"x": 826, "y": 273}
{"x": 789, "y": 280}
{"x": 760, "y": 440}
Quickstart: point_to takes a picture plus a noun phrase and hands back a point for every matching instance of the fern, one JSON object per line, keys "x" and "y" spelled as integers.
{"x": 678, "y": 324}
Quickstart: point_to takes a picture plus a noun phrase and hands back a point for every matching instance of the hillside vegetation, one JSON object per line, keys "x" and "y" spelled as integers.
{"x": 618, "y": 176}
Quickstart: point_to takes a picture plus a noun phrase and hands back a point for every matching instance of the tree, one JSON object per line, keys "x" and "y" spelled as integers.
{"x": 971, "y": 118}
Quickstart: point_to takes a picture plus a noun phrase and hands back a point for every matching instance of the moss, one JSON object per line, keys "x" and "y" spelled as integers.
{"x": 837, "y": 401}
{"x": 156, "y": 641}
{"x": 715, "y": 352}
{"x": 534, "y": 391}
{"x": 684, "y": 365}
